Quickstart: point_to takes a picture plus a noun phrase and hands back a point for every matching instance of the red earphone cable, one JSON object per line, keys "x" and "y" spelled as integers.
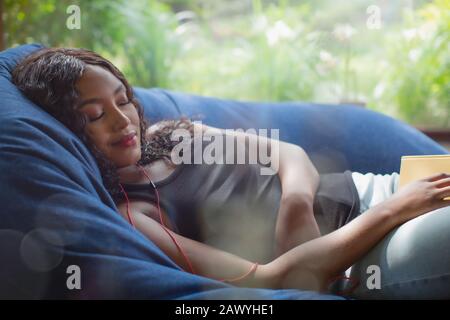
{"x": 128, "y": 205}
{"x": 252, "y": 269}
{"x": 191, "y": 268}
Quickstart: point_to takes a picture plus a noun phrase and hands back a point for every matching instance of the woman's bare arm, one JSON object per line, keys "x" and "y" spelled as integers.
{"x": 307, "y": 266}
{"x": 299, "y": 180}
{"x": 330, "y": 255}
{"x": 311, "y": 265}
{"x": 206, "y": 260}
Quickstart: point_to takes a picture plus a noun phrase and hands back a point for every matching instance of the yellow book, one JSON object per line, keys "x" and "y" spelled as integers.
{"x": 419, "y": 167}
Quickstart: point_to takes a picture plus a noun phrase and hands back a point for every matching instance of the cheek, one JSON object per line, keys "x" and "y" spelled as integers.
{"x": 135, "y": 115}
{"x": 135, "y": 119}
{"x": 97, "y": 138}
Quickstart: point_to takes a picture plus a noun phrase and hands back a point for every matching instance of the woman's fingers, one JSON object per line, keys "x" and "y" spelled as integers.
{"x": 437, "y": 177}
{"x": 442, "y": 183}
{"x": 444, "y": 193}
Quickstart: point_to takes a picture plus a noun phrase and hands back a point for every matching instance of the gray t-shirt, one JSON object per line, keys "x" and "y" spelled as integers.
{"x": 233, "y": 207}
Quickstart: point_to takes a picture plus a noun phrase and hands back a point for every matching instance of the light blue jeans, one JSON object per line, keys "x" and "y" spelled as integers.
{"x": 413, "y": 260}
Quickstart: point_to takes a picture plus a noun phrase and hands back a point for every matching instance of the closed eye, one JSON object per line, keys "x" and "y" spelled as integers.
{"x": 121, "y": 104}
{"x": 95, "y": 119}
{"x": 125, "y": 103}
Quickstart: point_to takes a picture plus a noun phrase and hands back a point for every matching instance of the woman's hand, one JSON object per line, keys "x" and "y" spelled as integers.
{"x": 421, "y": 196}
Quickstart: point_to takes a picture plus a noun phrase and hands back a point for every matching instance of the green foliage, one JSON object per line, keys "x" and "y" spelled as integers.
{"x": 268, "y": 50}
{"x": 136, "y": 35}
{"x": 419, "y": 67}
{"x": 262, "y": 58}
{"x": 44, "y": 21}
{"x": 149, "y": 47}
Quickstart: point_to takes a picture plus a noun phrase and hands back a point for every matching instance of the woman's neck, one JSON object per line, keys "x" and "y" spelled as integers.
{"x": 157, "y": 170}
{"x": 130, "y": 174}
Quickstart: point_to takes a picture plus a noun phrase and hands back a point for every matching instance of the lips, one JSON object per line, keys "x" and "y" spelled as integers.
{"x": 125, "y": 139}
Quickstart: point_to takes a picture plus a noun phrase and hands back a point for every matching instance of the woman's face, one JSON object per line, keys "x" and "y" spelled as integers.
{"x": 113, "y": 121}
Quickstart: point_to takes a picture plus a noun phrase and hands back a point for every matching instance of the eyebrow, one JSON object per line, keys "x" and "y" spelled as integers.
{"x": 94, "y": 100}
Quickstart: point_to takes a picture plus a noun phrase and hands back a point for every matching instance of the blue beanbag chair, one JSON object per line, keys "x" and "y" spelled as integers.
{"x": 57, "y": 218}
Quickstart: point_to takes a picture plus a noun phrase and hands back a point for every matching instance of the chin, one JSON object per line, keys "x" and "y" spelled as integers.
{"x": 123, "y": 162}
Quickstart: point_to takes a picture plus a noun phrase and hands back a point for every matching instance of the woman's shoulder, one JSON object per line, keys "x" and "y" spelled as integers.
{"x": 144, "y": 207}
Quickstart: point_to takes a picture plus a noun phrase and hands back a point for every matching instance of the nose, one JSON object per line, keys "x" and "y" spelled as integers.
{"x": 120, "y": 120}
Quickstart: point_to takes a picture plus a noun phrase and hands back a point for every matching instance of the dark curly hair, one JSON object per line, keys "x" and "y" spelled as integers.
{"x": 48, "y": 76}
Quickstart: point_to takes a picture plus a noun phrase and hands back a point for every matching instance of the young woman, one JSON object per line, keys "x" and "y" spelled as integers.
{"x": 222, "y": 221}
